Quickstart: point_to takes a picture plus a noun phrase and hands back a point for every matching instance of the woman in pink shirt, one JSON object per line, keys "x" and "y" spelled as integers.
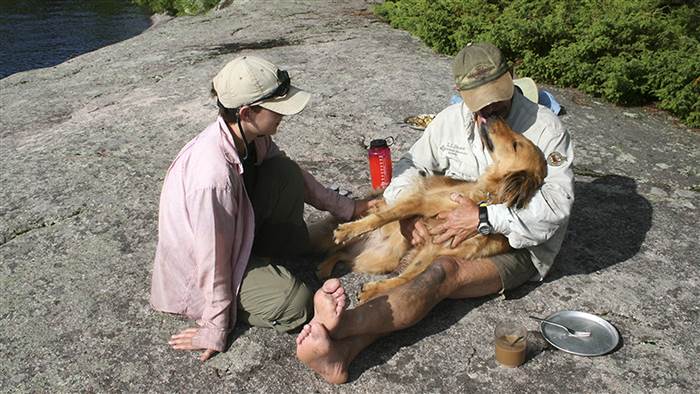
{"x": 230, "y": 201}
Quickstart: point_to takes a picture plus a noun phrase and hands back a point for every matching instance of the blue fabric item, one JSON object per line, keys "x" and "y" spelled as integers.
{"x": 456, "y": 98}
{"x": 547, "y": 99}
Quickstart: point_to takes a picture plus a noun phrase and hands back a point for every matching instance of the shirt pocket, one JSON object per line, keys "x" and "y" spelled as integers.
{"x": 462, "y": 166}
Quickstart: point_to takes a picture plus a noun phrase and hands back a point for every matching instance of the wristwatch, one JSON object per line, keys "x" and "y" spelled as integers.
{"x": 484, "y": 226}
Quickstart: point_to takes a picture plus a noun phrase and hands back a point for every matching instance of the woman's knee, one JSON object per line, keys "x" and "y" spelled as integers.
{"x": 272, "y": 297}
{"x": 299, "y": 311}
{"x": 287, "y": 314}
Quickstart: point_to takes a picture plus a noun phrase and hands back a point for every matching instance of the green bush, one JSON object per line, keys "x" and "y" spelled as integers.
{"x": 631, "y": 52}
{"x": 178, "y": 7}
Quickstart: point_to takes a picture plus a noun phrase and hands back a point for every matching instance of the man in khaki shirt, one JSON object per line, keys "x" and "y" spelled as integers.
{"x": 451, "y": 146}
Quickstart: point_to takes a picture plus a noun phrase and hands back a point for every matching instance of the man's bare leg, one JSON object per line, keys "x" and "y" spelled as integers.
{"x": 331, "y": 354}
{"x": 476, "y": 278}
{"x": 407, "y": 304}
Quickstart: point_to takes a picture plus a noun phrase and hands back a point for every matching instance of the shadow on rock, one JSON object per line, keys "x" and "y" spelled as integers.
{"x": 446, "y": 314}
{"x": 608, "y": 225}
{"x": 609, "y": 222}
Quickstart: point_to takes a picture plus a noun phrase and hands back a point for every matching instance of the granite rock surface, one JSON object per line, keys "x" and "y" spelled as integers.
{"x": 84, "y": 147}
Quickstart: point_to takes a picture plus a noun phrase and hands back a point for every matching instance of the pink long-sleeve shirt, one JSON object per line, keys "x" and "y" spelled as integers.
{"x": 206, "y": 227}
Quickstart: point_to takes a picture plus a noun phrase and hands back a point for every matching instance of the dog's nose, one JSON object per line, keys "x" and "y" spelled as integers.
{"x": 484, "y": 131}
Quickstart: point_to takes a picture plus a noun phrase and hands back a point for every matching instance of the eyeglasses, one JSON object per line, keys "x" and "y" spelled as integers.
{"x": 281, "y": 90}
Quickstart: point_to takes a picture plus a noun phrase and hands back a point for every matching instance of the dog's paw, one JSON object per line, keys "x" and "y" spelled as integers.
{"x": 344, "y": 232}
{"x": 369, "y": 291}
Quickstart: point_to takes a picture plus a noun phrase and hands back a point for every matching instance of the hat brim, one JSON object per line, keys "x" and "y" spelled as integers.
{"x": 500, "y": 89}
{"x": 528, "y": 87}
{"x": 295, "y": 101}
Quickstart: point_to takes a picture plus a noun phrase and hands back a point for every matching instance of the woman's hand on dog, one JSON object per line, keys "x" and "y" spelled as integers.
{"x": 183, "y": 341}
{"x": 414, "y": 230}
{"x": 362, "y": 206}
{"x": 459, "y": 223}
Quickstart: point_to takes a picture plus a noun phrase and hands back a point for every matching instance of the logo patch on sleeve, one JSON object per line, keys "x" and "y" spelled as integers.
{"x": 555, "y": 159}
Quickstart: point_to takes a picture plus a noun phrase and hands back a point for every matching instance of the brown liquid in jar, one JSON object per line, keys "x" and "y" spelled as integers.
{"x": 509, "y": 354}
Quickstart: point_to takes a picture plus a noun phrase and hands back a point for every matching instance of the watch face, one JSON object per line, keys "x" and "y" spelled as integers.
{"x": 484, "y": 229}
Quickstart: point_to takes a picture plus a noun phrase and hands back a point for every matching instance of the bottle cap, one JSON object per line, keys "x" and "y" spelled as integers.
{"x": 379, "y": 143}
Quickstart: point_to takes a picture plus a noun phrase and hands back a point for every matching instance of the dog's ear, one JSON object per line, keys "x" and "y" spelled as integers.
{"x": 517, "y": 188}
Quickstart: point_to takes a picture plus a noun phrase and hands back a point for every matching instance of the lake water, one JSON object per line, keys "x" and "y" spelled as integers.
{"x": 43, "y": 33}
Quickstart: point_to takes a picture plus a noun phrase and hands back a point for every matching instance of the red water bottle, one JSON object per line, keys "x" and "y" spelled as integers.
{"x": 380, "y": 162}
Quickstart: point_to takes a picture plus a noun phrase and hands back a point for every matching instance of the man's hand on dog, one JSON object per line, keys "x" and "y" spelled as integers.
{"x": 459, "y": 223}
{"x": 183, "y": 341}
{"x": 414, "y": 230}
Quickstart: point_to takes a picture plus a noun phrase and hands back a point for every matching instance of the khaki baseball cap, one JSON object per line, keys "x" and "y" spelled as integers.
{"x": 481, "y": 75}
{"x": 250, "y": 80}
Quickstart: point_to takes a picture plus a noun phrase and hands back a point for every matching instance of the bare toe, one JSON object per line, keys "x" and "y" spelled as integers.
{"x": 331, "y": 285}
{"x": 305, "y": 332}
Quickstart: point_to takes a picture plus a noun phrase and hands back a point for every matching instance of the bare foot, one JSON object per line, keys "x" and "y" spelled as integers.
{"x": 329, "y": 304}
{"x": 317, "y": 351}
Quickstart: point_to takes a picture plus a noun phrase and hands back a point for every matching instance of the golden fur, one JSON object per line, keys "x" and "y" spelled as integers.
{"x": 517, "y": 172}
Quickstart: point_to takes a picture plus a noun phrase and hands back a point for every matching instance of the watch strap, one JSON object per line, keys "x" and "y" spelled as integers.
{"x": 483, "y": 212}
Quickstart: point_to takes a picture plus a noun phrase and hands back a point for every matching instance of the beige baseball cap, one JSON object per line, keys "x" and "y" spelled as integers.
{"x": 528, "y": 87}
{"x": 481, "y": 75}
{"x": 250, "y": 80}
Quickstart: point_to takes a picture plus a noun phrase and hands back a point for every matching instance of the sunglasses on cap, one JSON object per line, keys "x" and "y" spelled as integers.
{"x": 281, "y": 90}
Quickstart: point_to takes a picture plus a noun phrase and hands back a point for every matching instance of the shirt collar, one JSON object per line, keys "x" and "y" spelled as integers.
{"x": 228, "y": 146}
{"x": 468, "y": 120}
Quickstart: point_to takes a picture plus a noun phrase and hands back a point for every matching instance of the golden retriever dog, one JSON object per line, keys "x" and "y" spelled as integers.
{"x": 374, "y": 243}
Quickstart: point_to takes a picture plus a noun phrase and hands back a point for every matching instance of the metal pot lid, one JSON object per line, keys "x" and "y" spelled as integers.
{"x": 603, "y": 339}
